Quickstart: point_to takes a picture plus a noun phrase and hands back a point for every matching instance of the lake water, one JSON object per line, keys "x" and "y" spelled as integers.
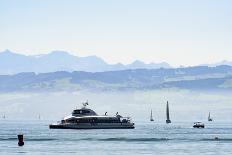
{"x": 178, "y": 138}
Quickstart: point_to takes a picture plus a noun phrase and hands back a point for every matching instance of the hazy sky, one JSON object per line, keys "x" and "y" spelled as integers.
{"x": 180, "y": 32}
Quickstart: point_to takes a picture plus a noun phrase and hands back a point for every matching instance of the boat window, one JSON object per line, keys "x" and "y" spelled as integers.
{"x": 95, "y": 120}
{"x": 81, "y": 111}
{"x": 85, "y": 111}
{"x": 76, "y": 112}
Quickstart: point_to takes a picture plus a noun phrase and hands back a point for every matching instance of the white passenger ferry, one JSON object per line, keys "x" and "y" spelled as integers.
{"x": 85, "y": 118}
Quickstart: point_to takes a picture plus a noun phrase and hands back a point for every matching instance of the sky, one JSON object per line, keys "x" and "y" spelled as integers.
{"x": 179, "y": 32}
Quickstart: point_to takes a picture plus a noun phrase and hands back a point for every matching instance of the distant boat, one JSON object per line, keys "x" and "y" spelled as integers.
{"x": 209, "y": 118}
{"x": 151, "y": 118}
{"x": 167, "y": 114}
{"x": 199, "y": 125}
{"x": 4, "y": 116}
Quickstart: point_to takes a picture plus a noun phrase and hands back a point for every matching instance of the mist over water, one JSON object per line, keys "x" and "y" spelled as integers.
{"x": 184, "y": 105}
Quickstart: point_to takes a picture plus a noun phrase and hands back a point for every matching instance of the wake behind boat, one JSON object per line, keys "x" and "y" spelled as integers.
{"x": 85, "y": 118}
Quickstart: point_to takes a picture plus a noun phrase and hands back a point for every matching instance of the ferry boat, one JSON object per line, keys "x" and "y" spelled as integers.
{"x": 85, "y": 118}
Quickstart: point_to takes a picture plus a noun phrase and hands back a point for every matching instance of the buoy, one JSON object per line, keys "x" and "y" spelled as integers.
{"x": 21, "y": 142}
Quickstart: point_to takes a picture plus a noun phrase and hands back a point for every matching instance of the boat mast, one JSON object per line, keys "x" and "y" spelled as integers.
{"x": 209, "y": 118}
{"x": 167, "y": 111}
{"x": 151, "y": 118}
{"x": 167, "y": 114}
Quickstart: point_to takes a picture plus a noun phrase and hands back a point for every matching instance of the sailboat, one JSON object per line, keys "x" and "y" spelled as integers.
{"x": 151, "y": 118}
{"x": 209, "y": 118}
{"x": 167, "y": 114}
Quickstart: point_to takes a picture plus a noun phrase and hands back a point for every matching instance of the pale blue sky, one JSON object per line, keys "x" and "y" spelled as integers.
{"x": 180, "y": 32}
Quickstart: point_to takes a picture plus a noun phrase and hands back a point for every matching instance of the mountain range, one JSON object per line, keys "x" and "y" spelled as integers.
{"x": 13, "y": 63}
{"x": 191, "y": 78}
{"x": 61, "y": 71}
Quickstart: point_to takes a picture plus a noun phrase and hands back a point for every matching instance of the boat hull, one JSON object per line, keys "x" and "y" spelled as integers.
{"x": 199, "y": 126}
{"x": 91, "y": 126}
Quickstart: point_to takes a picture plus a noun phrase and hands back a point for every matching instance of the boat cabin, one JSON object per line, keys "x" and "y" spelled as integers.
{"x": 83, "y": 112}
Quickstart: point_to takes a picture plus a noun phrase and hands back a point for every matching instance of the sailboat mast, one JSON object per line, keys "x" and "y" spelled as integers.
{"x": 167, "y": 114}
{"x": 209, "y": 118}
{"x": 167, "y": 111}
{"x": 151, "y": 117}
{"x": 151, "y": 114}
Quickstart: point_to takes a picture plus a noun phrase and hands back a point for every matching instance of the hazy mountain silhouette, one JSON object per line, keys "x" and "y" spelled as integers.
{"x": 192, "y": 78}
{"x": 12, "y": 63}
{"x": 224, "y": 62}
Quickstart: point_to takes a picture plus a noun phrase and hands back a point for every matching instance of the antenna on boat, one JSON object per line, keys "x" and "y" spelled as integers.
{"x": 85, "y": 104}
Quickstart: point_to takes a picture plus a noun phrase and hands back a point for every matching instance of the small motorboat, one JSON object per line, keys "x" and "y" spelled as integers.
{"x": 199, "y": 125}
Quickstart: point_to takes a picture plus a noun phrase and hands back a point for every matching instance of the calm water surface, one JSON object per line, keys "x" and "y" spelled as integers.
{"x": 147, "y": 138}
